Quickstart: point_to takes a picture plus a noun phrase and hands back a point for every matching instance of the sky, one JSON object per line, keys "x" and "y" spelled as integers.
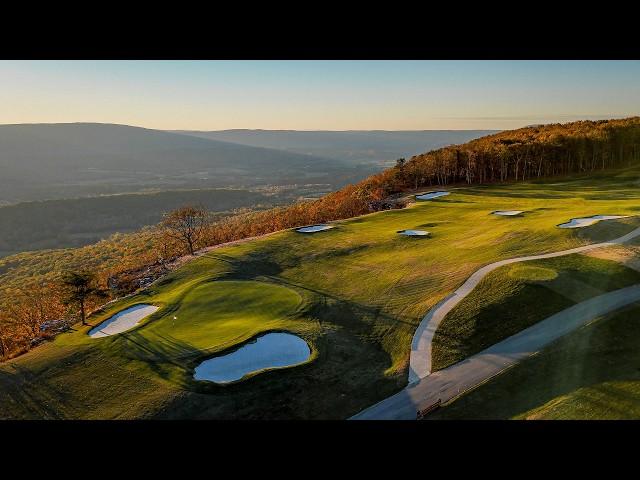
{"x": 318, "y": 95}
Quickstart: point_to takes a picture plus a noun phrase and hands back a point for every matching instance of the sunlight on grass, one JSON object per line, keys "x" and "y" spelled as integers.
{"x": 356, "y": 292}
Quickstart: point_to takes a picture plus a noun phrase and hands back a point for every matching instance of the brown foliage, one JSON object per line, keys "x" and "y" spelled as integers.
{"x": 532, "y": 152}
{"x": 186, "y": 225}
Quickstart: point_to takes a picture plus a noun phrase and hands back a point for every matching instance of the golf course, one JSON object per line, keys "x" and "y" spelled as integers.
{"x": 355, "y": 293}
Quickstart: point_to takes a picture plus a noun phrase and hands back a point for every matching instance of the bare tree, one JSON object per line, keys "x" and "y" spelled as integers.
{"x": 186, "y": 224}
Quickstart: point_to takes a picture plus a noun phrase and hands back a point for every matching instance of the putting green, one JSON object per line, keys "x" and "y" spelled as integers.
{"x": 214, "y": 315}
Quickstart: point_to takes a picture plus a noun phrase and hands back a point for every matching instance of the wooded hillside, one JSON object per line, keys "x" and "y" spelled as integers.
{"x": 123, "y": 263}
{"x": 528, "y": 153}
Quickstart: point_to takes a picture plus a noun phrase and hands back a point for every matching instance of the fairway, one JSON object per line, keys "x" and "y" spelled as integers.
{"x": 516, "y": 296}
{"x": 355, "y": 293}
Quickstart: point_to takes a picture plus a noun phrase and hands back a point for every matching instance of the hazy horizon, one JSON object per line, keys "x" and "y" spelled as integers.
{"x": 310, "y": 130}
{"x": 240, "y": 128}
{"x": 318, "y": 95}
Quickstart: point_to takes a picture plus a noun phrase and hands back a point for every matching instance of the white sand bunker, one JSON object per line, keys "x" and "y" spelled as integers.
{"x": 122, "y": 321}
{"x": 270, "y": 351}
{"x": 414, "y": 233}
{"x": 586, "y": 221}
{"x": 314, "y": 228}
{"x": 507, "y": 213}
{"x": 431, "y": 195}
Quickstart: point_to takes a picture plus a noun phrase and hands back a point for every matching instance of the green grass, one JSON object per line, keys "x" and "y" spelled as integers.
{"x": 356, "y": 293}
{"x": 210, "y": 315}
{"x": 516, "y": 296}
{"x": 592, "y": 373}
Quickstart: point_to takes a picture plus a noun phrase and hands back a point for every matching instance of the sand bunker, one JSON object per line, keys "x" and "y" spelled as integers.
{"x": 313, "y": 228}
{"x": 586, "y": 221}
{"x": 507, "y": 213}
{"x": 122, "y": 321}
{"x": 273, "y": 350}
{"x": 414, "y": 233}
{"x": 431, "y": 195}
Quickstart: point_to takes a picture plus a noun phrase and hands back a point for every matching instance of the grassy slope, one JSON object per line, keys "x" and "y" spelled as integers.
{"x": 516, "y": 296}
{"x": 363, "y": 290}
{"x": 592, "y": 373}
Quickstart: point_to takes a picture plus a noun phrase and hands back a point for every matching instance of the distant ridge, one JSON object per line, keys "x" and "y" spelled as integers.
{"x": 40, "y": 161}
{"x": 358, "y": 146}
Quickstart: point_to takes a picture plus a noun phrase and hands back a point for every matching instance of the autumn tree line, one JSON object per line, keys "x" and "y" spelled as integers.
{"x": 38, "y": 310}
{"x": 527, "y": 154}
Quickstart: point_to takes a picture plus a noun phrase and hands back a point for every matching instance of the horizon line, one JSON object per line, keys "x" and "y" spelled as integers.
{"x": 576, "y": 118}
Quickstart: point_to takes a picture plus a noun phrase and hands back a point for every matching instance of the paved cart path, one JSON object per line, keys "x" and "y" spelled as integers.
{"x": 452, "y": 381}
{"x": 420, "y": 361}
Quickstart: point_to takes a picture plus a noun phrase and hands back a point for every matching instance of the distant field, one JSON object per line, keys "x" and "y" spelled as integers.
{"x": 70, "y": 160}
{"x": 83, "y": 221}
{"x": 362, "y": 288}
{"x": 355, "y": 146}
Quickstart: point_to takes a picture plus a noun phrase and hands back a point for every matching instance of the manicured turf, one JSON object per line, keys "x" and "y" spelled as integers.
{"x": 516, "y": 296}
{"x": 210, "y": 316}
{"x": 592, "y": 373}
{"x": 356, "y": 293}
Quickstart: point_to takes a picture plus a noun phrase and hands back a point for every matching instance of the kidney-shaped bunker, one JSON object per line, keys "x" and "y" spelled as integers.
{"x": 267, "y": 352}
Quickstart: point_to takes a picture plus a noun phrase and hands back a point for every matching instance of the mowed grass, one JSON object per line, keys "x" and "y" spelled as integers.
{"x": 356, "y": 293}
{"x": 591, "y": 373}
{"x": 516, "y": 296}
{"x": 209, "y": 315}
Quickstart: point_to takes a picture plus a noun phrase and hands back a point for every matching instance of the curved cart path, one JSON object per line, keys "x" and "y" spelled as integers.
{"x": 420, "y": 361}
{"x": 452, "y": 381}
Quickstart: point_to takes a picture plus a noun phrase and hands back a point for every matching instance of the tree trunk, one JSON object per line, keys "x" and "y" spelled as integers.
{"x": 83, "y": 315}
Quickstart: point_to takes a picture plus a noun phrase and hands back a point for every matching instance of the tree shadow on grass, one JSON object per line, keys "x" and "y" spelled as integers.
{"x": 607, "y": 229}
{"x": 345, "y": 378}
{"x": 432, "y": 224}
{"x": 32, "y": 393}
{"x": 167, "y": 357}
{"x": 249, "y": 266}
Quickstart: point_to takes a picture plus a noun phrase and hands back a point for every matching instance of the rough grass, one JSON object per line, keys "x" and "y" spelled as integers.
{"x": 516, "y": 296}
{"x": 592, "y": 373}
{"x": 360, "y": 290}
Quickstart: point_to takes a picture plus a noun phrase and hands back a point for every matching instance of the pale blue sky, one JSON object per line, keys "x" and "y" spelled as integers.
{"x": 322, "y": 95}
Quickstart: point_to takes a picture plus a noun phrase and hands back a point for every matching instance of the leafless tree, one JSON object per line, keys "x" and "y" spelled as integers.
{"x": 186, "y": 224}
